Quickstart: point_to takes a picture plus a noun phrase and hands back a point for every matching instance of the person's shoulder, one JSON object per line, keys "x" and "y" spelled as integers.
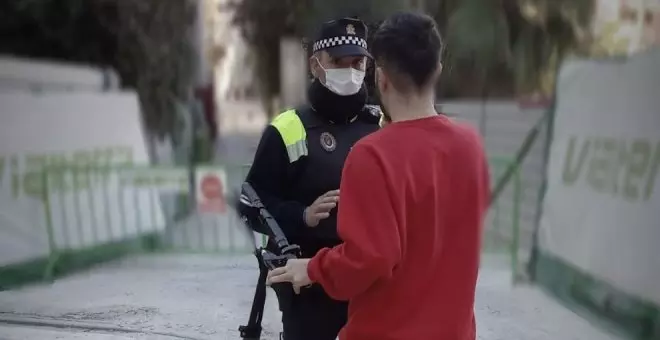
{"x": 465, "y": 127}
{"x": 456, "y": 125}
{"x": 287, "y": 115}
{"x": 375, "y": 141}
{"x": 465, "y": 136}
{"x": 365, "y": 151}
{"x": 289, "y": 119}
{"x": 287, "y": 125}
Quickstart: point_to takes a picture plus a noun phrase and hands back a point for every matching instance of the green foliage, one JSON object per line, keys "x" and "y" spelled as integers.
{"x": 264, "y": 22}
{"x": 148, "y": 42}
{"x": 477, "y": 45}
{"x": 368, "y": 10}
{"x": 548, "y": 31}
{"x": 478, "y": 35}
{"x": 509, "y": 45}
{"x": 491, "y": 44}
{"x": 156, "y": 56}
{"x": 56, "y": 29}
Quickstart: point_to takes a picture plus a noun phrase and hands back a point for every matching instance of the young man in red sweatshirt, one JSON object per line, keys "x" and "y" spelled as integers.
{"x": 413, "y": 197}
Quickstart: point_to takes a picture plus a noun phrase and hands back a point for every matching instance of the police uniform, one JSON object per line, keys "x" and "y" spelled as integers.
{"x": 299, "y": 158}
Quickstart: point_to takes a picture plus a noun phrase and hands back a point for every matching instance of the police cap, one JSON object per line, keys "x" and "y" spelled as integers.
{"x": 342, "y": 38}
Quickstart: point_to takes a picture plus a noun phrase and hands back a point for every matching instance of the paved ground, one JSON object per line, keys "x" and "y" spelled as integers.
{"x": 168, "y": 297}
{"x": 27, "y": 333}
{"x": 207, "y": 297}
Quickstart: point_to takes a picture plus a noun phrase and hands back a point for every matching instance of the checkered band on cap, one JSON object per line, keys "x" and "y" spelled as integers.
{"x": 339, "y": 41}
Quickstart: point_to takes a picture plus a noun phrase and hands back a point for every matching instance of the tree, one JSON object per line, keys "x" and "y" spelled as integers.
{"x": 494, "y": 47}
{"x": 56, "y": 29}
{"x": 264, "y": 22}
{"x": 477, "y": 38}
{"x": 550, "y": 30}
{"x": 146, "y": 41}
{"x": 533, "y": 37}
{"x": 156, "y": 57}
{"x": 517, "y": 43}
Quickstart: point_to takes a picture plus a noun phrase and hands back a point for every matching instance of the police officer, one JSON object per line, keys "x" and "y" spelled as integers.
{"x": 298, "y": 165}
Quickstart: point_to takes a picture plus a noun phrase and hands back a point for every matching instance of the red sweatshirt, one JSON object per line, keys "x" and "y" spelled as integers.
{"x": 412, "y": 202}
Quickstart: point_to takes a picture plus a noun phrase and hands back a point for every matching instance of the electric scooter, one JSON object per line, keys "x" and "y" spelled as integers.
{"x": 256, "y": 218}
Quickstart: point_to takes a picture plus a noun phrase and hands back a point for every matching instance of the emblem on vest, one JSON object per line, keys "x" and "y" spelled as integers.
{"x": 328, "y": 142}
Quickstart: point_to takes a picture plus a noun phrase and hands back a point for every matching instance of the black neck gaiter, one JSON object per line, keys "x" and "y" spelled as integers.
{"x": 333, "y": 107}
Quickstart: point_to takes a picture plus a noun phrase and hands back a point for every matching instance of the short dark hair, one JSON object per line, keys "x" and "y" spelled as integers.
{"x": 408, "y": 45}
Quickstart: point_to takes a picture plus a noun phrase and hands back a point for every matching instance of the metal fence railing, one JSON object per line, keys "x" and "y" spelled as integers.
{"x": 87, "y": 206}
{"x": 519, "y": 131}
{"x": 502, "y": 233}
{"x": 92, "y": 214}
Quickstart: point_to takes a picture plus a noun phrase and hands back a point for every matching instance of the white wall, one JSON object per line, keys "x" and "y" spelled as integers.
{"x": 600, "y": 212}
{"x": 78, "y": 128}
{"x": 30, "y": 75}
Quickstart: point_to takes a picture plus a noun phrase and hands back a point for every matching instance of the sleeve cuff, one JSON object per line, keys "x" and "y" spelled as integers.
{"x": 302, "y": 217}
{"x": 314, "y": 266}
{"x": 291, "y": 217}
{"x": 297, "y": 215}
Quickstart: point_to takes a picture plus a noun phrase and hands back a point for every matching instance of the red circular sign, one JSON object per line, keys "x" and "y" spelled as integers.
{"x": 211, "y": 187}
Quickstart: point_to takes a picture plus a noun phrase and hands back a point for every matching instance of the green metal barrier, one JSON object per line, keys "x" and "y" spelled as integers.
{"x": 503, "y": 233}
{"x": 95, "y": 214}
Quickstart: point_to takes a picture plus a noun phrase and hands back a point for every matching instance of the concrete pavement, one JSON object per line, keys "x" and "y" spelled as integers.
{"x": 14, "y": 332}
{"x": 206, "y": 297}
{"x": 202, "y": 297}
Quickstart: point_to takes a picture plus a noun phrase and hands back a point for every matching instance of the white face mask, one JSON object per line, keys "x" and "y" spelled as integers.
{"x": 343, "y": 81}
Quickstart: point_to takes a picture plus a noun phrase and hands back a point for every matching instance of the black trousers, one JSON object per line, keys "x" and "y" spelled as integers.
{"x": 312, "y": 315}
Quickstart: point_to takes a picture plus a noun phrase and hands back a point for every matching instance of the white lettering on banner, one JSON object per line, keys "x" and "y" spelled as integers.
{"x": 26, "y": 177}
{"x": 622, "y": 168}
{"x": 602, "y": 207}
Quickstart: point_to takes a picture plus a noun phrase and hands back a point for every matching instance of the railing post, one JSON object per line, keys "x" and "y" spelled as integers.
{"x": 53, "y": 253}
{"x": 515, "y": 219}
{"x": 495, "y": 206}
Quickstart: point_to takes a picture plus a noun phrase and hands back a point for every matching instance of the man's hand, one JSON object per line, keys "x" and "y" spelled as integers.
{"x": 321, "y": 208}
{"x": 295, "y": 272}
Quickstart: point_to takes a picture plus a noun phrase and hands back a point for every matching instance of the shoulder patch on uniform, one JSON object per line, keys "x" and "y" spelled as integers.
{"x": 293, "y": 134}
{"x": 284, "y": 116}
{"x": 287, "y": 121}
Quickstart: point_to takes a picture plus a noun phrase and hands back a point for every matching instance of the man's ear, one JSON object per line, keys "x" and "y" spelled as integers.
{"x": 313, "y": 66}
{"x": 438, "y": 72}
{"x": 381, "y": 79}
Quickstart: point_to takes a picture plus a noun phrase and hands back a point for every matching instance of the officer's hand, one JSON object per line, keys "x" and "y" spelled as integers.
{"x": 321, "y": 208}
